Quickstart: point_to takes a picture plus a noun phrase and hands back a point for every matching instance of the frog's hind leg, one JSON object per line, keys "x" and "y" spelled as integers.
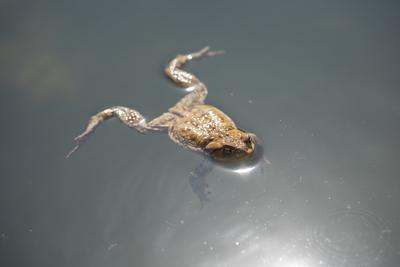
{"x": 127, "y": 116}
{"x": 188, "y": 81}
{"x": 198, "y": 180}
{"x": 182, "y": 78}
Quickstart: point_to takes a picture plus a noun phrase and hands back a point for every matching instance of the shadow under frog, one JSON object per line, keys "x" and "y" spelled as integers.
{"x": 190, "y": 123}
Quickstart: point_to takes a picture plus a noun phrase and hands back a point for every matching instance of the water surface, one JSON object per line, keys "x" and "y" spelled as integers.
{"x": 316, "y": 81}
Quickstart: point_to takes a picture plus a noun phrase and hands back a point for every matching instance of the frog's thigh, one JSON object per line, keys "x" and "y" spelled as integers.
{"x": 195, "y": 97}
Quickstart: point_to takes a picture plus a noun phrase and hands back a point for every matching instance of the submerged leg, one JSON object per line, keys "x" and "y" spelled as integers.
{"x": 127, "y": 116}
{"x": 198, "y": 182}
{"x": 186, "y": 80}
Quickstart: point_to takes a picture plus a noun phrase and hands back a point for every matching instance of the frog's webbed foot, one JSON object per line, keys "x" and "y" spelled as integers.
{"x": 127, "y": 116}
{"x": 198, "y": 182}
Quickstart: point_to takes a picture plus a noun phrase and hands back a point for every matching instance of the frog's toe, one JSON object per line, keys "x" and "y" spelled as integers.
{"x": 205, "y": 52}
{"x": 79, "y": 140}
{"x": 199, "y": 53}
{"x": 81, "y": 137}
{"x": 215, "y": 53}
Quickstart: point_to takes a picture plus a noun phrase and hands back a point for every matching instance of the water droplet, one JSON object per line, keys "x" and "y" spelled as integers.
{"x": 112, "y": 245}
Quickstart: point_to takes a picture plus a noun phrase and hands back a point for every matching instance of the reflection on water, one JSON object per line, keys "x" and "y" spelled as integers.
{"x": 246, "y": 243}
{"x": 244, "y": 170}
{"x": 261, "y": 232}
{"x": 32, "y": 64}
{"x": 257, "y": 161}
{"x": 248, "y": 164}
{"x": 351, "y": 237}
{"x": 345, "y": 239}
{"x": 198, "y": 177}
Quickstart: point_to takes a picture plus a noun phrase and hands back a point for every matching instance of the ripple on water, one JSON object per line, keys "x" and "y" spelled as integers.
{"x": 351, "y": 236}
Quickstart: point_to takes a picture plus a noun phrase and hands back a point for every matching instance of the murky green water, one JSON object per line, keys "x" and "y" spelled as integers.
{"x": 316, "y": 81}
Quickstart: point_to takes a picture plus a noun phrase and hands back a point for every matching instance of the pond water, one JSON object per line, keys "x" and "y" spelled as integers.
{"x": 316, "y": 81}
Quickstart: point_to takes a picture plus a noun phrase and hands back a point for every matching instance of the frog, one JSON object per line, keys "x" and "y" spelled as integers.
{"x": 190, "y": 123}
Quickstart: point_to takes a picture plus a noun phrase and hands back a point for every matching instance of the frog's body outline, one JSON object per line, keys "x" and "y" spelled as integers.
{"x": 189, "y": 123}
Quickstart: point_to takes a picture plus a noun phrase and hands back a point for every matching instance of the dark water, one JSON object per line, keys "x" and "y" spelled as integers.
{"x": 317, "y": 81}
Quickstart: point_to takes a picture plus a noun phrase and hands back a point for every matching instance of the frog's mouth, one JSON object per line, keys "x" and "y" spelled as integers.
{"x": 235, "y": 158}
{"x": 246, "y": 163}
{"x": 230, "y": 154}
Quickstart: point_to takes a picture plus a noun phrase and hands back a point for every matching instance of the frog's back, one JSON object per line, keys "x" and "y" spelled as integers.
{"x": 199, "y": 125}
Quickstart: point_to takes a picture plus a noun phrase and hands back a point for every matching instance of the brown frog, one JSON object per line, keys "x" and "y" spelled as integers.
{"x": 190, "y": 123}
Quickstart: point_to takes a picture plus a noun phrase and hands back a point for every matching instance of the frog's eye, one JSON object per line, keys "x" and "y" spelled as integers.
{"x": 248, "y": 141}
{"x": 253, "y": 138}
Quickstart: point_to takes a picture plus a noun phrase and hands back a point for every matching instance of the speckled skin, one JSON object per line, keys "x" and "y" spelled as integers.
{"x": 199, "y": 126}
{"x": 189, "y": 123}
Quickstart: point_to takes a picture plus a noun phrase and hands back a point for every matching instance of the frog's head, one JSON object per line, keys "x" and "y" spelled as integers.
{"x": 235, "y": 145}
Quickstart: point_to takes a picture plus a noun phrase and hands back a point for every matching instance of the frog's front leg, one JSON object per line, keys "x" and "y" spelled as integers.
{"x": 127, "y": 116}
